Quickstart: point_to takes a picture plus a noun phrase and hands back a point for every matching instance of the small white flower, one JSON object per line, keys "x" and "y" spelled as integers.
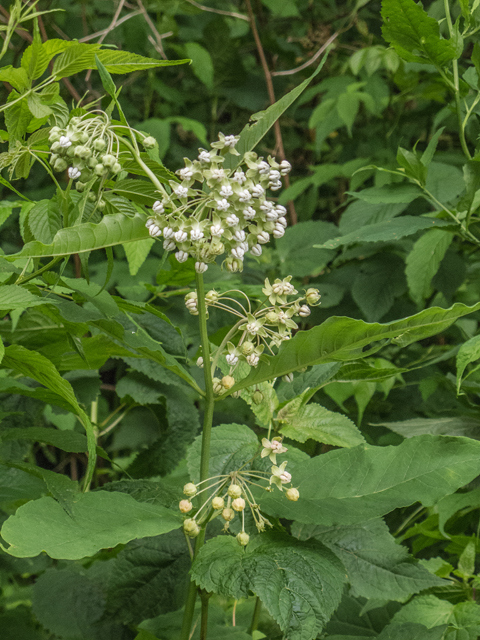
{"x": 226, "y": 191}
{"x": 274, "y": 176}
{"x": 181, "y": 192}
{"x": 155, "y": 231}
{"x": 181, "y": 256}
{"x": 230, "y": 141}
{"x": 218, "y": 174}
{"x": 239, "y": 235}
{"x": 168, "y": 233}
{"x": 169, "y": 245}
{"x": 64, "y": 142}
{"x": 282, "y": 221}
{"x": 263, "y": 237}
{"x": 196, "y": 234}
{"x": 204, "y": 156}
{"x": 253, "y": 359}
{"x": 280, "y": 209}
{"x": 216, "y": 230}
{"x": 271, "y": 216}
{"x": 158, "y": 207}
{"x": 200, "y": 362}
{"x": 285, "y": 167}
{"x": 186, "y": 173}
{"x": 244, "y": 246}
{"x": 249, "y": 213}
{"x": 253, "y": 327}
{"x": 232, "y": 359}
{"x": 256, "y": 250}
{"x": 181, "y": 236}
{"x": 278, "y": 232}
{"x": 272, "y": 448}
{"x": 304, "y": 311}
{"x": 201, "y": 267}
{"x": 244, "y": 195}
{"x": 223, "y": 204}
{"x": 238, "y": 253}
{"x": 231, "y": 220}
{"x": 275, "y": 186}
{"x": 150, "y": 222}
{"x": 74, "y": 173}
{"x": 239, "y": 177}
{"x": 282, "y": 317}
{"x": 266, "y": 206}
{"x": 263, "y": 168}
{"x": 257, "y": 190}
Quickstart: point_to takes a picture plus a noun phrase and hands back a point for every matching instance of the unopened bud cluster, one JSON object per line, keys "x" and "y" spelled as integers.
{"x": 267, "y": 327}
{"x": 232, "y": 494}
{"x": 233, "y": 215}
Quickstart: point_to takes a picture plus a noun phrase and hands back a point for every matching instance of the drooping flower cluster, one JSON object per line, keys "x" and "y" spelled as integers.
{"x": 267, "y": 327}
{"x": 230, "y": 213}
{"x": 230, "y": 494}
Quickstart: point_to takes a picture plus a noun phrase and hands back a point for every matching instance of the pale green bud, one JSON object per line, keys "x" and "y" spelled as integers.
{"x": 190, "y": 489}
{"x": 234, "y": 491}
{"x": 149, "y": 142}
{"x": 243, "y": 538}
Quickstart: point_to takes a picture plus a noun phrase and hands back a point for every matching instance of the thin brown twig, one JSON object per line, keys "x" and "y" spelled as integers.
{"x": 313, "y": 59}
{"x": 271, "y": 95}
{"x": 110, "y": 27}
{"x": 158, "y": 36}
{"x": 92, "y": 36}
{"x": 231, "y": 14}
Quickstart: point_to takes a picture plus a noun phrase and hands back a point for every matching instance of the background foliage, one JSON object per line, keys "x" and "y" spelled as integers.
{"x": 378, "y": 244}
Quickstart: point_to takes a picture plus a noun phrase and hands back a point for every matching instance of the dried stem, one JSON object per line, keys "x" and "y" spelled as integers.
{"x": 271, "y": 95}
{"x": 313, "y": 59}
{"x": 110, "y": 27}
{"x": 231, "y": 14}
{"x": 157, "y": 43}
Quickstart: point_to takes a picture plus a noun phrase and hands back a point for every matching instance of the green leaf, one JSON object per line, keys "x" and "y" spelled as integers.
{"x": 70, "y": 441}
{"x": 284, "y": 9}
{"x": 264, "y": 121}
{"x": 429, "y": 152}
{"x": 44, "y": 220}
{"x": 202, "y": 64}
{"x": 107, "y": 82}
{"x": 389, "y": 194}
{"x": 17, "y": 486}
{"x": 17, "y": 118}
{"x": 379, "y": 281}
{"x": 449, "y": 505}
{"x": 348, "y": 105}
{"x": 35, "y": 58}
{"x": 18, "y": 78}
{"x": 342, "y": 339}
{"x": 410, "y": 30}
{"x": 299, "y": 583}
{"x": 423, "y": 262}
{"x": 301, "y": 422}
{"x": 367, "y": 481}
{"x": 377, "y": 566}
{"x": 295, "y": 250}
{"x": 385, "y": 231}
{"x": 468, "y": 352}
{"x": 148, "y": 578}
{"x": 137, "y": 253}
{"x": 411, "y": 631}
{"x": 412, "y": 165}
{"x": 16, "y": 298}
{"x": 140, "y": 191}
{"x": 99, "y": 520}
{"x": 454, "y": 426}
{"x": 112, "y": 230}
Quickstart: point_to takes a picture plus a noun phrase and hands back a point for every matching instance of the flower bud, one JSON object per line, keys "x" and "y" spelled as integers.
{"x": 92, "y": 196}
{"x": 288, "y": 377}
{"x": 263, "y": 237}
{"x": 191, "y": 528}
{"x": 60, "y": 164}
{"x": 272, "y": 317}
{"x": 212, "y": 296}
{"x": 56, "y": 147}
{"x": 190, "y": 489}
{"x": 248, "y": 348}
{"x": 201, "y": 267}
{"x": 228, "y": 514}
{"x": 228, "y": 382}
{"x": 80, "y": 186}
{"x": 292, "y": 494}
{"x": 200, "y": 362}
{"x": 108, "y": 160}
{"x": 101, "y": 204}
{"x": 99, "y": 169}
{"x": 185, "y": 506}
{"x": 243, "y": 538}
{"x": 258, "y": 397}
{"x": 74, "y": 173}
{"x": 234, "y": 491}
{"x": 312, "y": 296}
{"x": 218, "y": 502}
{"x": 99, "y": 144}
{"x": 218, "y": 387}
{"x": 117, "y": 167}
{"x": 149, "y": 142}
{"x": 238, "y": 504}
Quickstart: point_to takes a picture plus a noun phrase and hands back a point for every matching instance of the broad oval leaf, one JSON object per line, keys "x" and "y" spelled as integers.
{"x": 352, "y": 485}
{"x": 98, "y": 520}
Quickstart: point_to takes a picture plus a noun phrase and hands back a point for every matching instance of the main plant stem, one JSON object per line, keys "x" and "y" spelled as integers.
{"x": 205, "y": 453}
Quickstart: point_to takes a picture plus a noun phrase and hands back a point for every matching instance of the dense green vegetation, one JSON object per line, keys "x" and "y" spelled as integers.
{"x": 239, "y": 292}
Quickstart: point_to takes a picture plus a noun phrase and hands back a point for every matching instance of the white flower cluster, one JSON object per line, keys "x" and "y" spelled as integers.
{"x": 231, "y": 494}
{"x": 270, "y": 325}
{"x": 232, "y": 215}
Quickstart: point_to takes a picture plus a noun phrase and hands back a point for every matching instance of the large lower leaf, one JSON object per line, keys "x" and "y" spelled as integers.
{"x": 377, "y": 567}
{"x": 300, "y": 583}
{"x": 98, "y": 520}
{"x": 112, "y": 230}
{"x": 353, "y": 485}
{"x": 342, "y": 339}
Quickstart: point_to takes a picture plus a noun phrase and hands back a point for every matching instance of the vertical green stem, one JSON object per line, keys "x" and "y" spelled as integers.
{"x": 256, "y": 616}
{"x": 205, "y": 453}
{"x": 461, "y": 128}
{"x": 204, "y": 618}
